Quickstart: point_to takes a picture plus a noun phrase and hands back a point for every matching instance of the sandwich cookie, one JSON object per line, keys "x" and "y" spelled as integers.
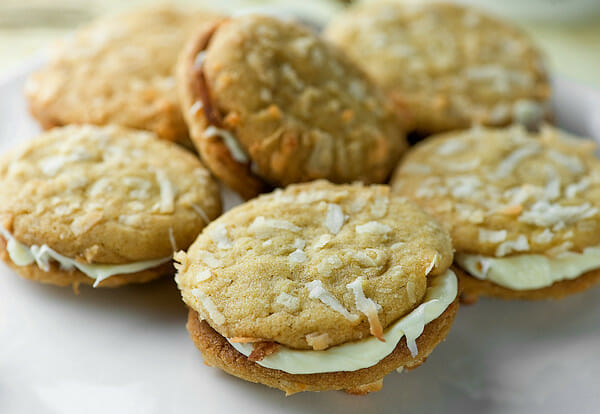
{"x": 319, "y": 287}
{"x": 268, "y": 104}
{"x": 522, "y": 208}
{"x": 450, "y": 66}
{"x": 118, "y": 70}
{"x": 100, "y": 205}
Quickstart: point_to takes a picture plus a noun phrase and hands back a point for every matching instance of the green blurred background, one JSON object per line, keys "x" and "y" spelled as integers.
{"x": 567, "y": 30}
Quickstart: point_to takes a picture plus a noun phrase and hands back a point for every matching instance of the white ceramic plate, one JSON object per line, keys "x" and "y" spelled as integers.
{"x": 127, "y": 350}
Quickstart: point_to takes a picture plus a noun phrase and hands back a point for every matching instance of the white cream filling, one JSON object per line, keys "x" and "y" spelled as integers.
{"x": 366, "y": 352}
{"x": 530, "y": 271}
{"x": 22, "y": 255}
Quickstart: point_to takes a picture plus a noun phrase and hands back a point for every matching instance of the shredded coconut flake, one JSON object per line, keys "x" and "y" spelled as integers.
{"x": 199, "y": 60}
{"x": 463, "y": 166}
{"x": 528, "y": 112}
{"x": 52, "y": 165}
{"x": 298, "y": 256}
{"x": 201, "y": 213}
{"x": 432, "y": 264}
{"x": 570, "y": 162}
{"x": 492, "y": 236}
{"x": 561, "y": 248}
{"x": 544, "y": 214}
{"x": 172, "y": 240}
{"x": 451, "y": 147}
{"x": 508, "y": 164}
{"x": 379, "y": 207}
{"x": 328, "y": 264}
{"x": 219, "y": 236}
{"x": 318, "y": 341}
{"x": 299, "y": 244}
{"x": 83, "y": 223}
{"x": 552, "y": 188}
{"x": 210, "y": 307}
{"x": 519, "y": 245}
{"x": 323, "y": 240}
{"x": 373, "y": 227}
{"x": 167, "y": 192}
{"x": 357, "y": 204}
{"x": 368, "y": 307}
{"x": 362, "y": 258}
{"x": 464, "y": 186}
{"x": 203, "y": 275}
{"x": 316, "y": 291}
{"x": 288, "y": 301}
{"x": 544, "y": 237}
{"x": 264, "y": 227}
{"x": 196, "y": 107}
{"x": 573, "y": 189}
{"x": 232, "y": 144}
{"x": 209, "y": 259}
{"x": 411, "y": 291}
{"x": 335, "y": 218}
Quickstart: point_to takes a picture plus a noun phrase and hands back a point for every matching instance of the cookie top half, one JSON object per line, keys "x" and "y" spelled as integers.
{"x": 119, "y": 70}
{"x": 450, "y": 66}
{"x": 314, "y": 265}
{"x": 269, "y": 103}
{"x": 105, "y": 194}
{"x": 505, "y": 191}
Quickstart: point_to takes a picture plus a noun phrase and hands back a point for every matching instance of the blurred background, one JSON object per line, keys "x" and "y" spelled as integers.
{"x": 567, "y": 30}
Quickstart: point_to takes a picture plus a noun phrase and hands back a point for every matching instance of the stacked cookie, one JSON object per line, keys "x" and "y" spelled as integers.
{"x": 335, "y": 279}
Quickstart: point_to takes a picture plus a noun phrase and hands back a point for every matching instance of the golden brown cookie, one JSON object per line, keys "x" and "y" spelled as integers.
{"x": 118, "y": 70}
{"x": 449, "y": 65}
{"x": 319, "y": 278}
{"x": 104, "y": 205}
{"x": 268, "y": 103}
{"x": 522, "y": 208}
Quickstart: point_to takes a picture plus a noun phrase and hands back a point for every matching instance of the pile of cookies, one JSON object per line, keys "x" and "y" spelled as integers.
{"x": 330, "y": 279}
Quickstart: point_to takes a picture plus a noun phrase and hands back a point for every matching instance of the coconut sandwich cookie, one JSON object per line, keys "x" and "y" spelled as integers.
{"x": 118, "y": 70}
{"x": 319, "y": 287}
{"x": 450, "y": 66}
{"x": 522, "y": 209}
{"x": 268, "y": 104}
{"x": 100, "y": 205}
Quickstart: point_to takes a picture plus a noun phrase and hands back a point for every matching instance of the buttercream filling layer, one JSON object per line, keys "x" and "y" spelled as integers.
{"x": 23, "y": 255}
{"x": 366, "y": 352}
{"x": 530, "y": 271}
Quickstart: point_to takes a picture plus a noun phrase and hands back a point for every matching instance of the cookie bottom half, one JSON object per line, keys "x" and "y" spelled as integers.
{"x": 472, "y": 288}
{"x": 218, "y": 352}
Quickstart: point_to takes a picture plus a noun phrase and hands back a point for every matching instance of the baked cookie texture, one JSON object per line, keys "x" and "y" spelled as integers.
{"x": 103, "y": 195}
{"x": 117, "y": 70}
{"x": 268, "y": 103}
{"x": 448, "y": 65}
{"x": 254, "y": 273}
{"x": 506, "y": 192}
